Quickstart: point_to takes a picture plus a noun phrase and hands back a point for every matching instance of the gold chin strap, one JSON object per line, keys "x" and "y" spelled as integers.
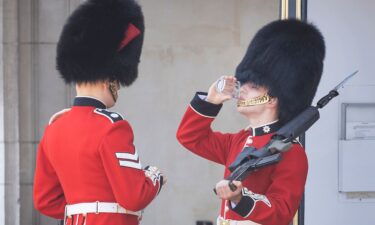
{"x": 254, "y": 101}
{"x": 113, "y": 89}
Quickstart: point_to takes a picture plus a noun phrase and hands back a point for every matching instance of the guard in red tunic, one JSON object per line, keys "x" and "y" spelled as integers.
{"x": 88, "y": 170}
{"x": 278, "y": 79}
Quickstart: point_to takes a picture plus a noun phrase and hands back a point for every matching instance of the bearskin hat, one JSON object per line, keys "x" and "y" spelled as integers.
{"x": 102, "y": 39}
{"x": 285, "y": 56}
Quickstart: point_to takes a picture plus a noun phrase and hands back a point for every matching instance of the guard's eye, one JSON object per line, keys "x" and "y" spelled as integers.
{"x": 254, "y": 86}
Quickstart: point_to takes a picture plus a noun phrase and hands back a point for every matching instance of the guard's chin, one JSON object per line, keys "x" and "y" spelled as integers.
{"x": 241, "y": 109}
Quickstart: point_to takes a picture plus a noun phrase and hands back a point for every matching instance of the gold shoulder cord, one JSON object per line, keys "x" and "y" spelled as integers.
{"x": 254, "y": 101}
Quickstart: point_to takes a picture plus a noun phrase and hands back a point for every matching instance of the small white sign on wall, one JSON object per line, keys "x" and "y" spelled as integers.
{"x": 357, "y": 147}
{"x": 360, "y": 130}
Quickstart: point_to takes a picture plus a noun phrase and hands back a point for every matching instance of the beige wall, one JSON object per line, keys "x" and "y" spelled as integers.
{"x": 188, "y": 45}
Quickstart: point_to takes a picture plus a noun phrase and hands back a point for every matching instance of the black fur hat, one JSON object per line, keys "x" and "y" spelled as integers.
{"x": 102, "y": 39}
{"x": 285, "y": 56}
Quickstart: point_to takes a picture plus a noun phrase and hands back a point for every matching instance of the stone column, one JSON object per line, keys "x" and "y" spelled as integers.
{"x": 41, "y": 90}
{"x": 10, "y": 113}
{"x": 2, "y": 178}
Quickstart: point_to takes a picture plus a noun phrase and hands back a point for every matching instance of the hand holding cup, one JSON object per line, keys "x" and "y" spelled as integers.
{"x": 225, "y": 88}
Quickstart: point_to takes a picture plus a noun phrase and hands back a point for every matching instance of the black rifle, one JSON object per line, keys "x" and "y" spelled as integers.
{"x": 251, "y": 159}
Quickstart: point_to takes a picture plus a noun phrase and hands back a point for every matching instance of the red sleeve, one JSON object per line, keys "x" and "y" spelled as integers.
{"x": 282, "y": 199}
{"x": 195, "y": 133}
{"x": 133, "y": 190}
{"x": 49, "y": 197}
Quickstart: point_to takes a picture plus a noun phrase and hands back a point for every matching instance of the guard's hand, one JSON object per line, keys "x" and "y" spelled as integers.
{"x": 216, "y": 97}
{"x": 57, "y": 115}
{"x": 224, "y": 192}
{"x": 155, "y": 175}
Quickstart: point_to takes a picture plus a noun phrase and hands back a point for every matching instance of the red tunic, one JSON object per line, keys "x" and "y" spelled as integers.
{"x": 87, "y": 155}
{"x": 277, "y": 189}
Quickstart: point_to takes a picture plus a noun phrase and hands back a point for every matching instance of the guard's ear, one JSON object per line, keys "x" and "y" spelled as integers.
{"x": 273, "y": 102}
{"x": 106, "y": 83}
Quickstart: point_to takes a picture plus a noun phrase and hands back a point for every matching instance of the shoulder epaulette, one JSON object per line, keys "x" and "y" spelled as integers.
{"x": 112, "y": 116}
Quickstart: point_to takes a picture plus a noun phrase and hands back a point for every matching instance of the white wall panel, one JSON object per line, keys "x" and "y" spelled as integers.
{"x": 349, "y": 32}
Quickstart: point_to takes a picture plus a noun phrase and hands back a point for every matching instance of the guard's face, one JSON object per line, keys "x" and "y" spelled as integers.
{"x": 250, "y": 90}
{"x": 112, "y": 88}
{"x": 252, "y": 98}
